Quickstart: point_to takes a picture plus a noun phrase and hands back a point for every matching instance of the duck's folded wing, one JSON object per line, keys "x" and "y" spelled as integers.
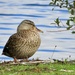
{"x": 14, "y": 43}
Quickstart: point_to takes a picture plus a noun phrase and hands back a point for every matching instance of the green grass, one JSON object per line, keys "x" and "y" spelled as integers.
{"x": 38, "y": 69}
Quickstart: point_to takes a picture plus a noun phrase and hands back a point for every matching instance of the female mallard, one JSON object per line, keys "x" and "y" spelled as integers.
{"x": 24, "y": 43}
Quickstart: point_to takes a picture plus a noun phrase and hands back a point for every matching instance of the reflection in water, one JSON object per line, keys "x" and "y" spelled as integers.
{"x": 39, "y": 11}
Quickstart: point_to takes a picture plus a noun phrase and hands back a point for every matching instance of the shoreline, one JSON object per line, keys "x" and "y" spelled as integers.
{"x": 38, "y": 61}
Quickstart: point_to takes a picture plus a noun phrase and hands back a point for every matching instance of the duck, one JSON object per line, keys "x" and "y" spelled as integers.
{"x": 24, "y": 43}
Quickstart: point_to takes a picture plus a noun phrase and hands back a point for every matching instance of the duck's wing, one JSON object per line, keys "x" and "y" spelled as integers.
{"x": 15, "y": 41}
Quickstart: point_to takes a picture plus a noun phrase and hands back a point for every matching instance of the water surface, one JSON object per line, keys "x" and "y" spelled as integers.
{"x": 39, "y": 11}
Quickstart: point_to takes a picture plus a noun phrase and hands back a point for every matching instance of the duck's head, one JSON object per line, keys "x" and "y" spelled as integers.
{"x": 28, "y": 25}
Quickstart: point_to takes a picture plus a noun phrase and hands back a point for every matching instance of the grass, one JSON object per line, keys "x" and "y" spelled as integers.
{"x": 38, "y": 69}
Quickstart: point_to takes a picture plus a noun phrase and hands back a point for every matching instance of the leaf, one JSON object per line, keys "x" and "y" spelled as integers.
{"x": 66, "y": 2}
{"x": 68, "y": 22}
{"x": 70, "y": 6}
{"x": 74, "y": 4}
{"x": 73, "y": 32}
{"x": 57, "y": 21}
{"x": 68, "y": 28}
{"x": 55, "y": 1}
{"x": 61, "y": 5}
{"x": 72, "y": 11}
{"x": 74, "y": 19}
{"x": 51, "y": 3}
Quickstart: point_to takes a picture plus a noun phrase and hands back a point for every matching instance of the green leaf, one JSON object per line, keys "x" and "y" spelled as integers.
{"x": 66, "y": 3}
{"x": 74, "y": 19}
{"x": 51, "y": 3}
{"x": 70, "y": 6}
{"x": 73, "y": 32}
{"x": 68, "y": 22}
{"x": 72, "y": 11}
{"x": 68, "y": 28}
{"x": 74, "y": 4}
{"x": 57, "y": 21}
{"x": 61, "y": 5}
{"x": 55, "y": 1}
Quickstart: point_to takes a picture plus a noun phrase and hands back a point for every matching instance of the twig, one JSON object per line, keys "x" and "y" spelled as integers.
{"x": 53, "y": 52}
{"x": 62, "y": 30}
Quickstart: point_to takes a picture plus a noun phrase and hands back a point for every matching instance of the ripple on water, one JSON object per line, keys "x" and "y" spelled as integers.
{"x": 47, "y": 26}
{"x": 4, "y": 28}
{"x": 36, "y": 4}
{"x": 1, "y": 14}
{"x": 1, "y": 2}
{"x": 1, "y": 47}
{"x": 66, "y": 38}
{"x": 9, "y": 23}
{"x": 62, "y": 11}
{"x": 5, "y": 34}
{"x": 46, "y": 50}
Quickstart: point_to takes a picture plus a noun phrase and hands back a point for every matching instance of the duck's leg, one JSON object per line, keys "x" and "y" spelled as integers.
{"x": 27, "y": 60}
{"x": 15, "y": 60}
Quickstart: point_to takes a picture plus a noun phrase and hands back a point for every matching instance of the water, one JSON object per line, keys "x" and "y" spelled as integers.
{"x": 39, "y": 11}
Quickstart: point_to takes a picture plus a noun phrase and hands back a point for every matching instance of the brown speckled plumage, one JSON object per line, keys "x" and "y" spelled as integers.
{"x": 24, "y": 43}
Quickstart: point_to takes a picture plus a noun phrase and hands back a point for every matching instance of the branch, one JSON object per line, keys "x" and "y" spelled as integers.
{"x": 62, "y": 30}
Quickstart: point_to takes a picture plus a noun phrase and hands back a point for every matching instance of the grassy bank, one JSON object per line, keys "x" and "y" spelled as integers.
{"x": 38, "y": 69}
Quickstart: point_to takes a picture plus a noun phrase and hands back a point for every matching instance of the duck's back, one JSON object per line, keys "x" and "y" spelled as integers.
{"x": 22, "y": 44}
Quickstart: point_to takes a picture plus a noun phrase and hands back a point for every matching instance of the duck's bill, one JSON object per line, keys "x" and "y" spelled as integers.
{"x": 39, "y": 30}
